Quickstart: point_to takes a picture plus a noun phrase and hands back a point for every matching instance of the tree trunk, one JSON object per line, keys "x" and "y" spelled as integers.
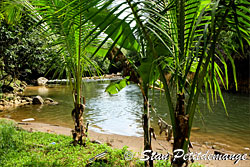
{"x": 181, "y": 130}
{"x": 78, "y": 132}
{"x": 146, "y": 129}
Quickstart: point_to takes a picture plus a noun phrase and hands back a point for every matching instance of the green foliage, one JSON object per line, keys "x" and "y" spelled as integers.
{"x": 8, "y": 136}
{"x": 10, "y": 11}
{"x": 24, "y": 53}
{"x": 116, "y": 86}
{"x": 147, "y": 71}
{"x": 118, "y": 31}
{"x": 21, "y": 148}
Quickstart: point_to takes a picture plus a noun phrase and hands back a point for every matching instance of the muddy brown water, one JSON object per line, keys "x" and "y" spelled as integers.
{"x": 121, "y": 114}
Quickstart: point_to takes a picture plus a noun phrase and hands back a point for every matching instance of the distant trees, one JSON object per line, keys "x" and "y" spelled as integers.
{"x": 24, "y": 53}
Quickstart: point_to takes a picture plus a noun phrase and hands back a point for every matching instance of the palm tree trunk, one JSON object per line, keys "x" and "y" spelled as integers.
{"x": 78, "y": 132}
{"x": 146, "y": 126}
{"x": 181, "y": 129}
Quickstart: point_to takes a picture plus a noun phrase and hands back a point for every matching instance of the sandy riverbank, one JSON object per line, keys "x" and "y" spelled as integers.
{"x": 134, "y": 143}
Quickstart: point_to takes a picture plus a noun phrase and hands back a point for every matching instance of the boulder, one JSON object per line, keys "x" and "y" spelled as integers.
{"x": 38, "y": 100}
{"x": 3, "y": 102}
{"x": 16, "y": 102}
{"x": 23, "y": 101}
{"x": 50, "y": 101}
{"x": 42, "y": 81}
{"x": 28, "y": 99}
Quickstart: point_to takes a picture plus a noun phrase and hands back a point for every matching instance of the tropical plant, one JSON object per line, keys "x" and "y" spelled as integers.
{"x": 10, "y": 11}
{"x": 177, "y": 37}
{"x": 68, "y": 35}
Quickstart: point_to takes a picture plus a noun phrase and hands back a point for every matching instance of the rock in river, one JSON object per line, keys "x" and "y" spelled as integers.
{"x": 50, "y": 101}
{"x": 42, "y": 81}
{"x": 37, "y": 100}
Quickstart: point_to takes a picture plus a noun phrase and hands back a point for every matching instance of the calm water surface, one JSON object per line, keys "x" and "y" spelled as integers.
{"x": 121, "y": 113}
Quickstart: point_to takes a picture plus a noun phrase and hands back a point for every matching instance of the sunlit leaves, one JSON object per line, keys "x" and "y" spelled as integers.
{"x": 117, "y": 86}
{"x": 114, "y": 27}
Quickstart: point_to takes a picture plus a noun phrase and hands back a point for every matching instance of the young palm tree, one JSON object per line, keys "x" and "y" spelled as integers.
{"x": 195, "y": 32}
{"x": 68, "y": 33}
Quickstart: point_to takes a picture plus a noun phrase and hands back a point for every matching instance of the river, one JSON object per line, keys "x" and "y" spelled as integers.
{"x": 121, "y": 113}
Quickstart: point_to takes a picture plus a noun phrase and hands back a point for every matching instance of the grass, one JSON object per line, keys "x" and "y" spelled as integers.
{"x": 21, "y": 148}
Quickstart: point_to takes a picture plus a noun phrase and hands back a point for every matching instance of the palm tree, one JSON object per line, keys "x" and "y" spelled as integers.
{"x": 178, "y": 37}
{"x": 10, "y": 11}
{"x": 181, "y": 33}
{"x": 67, "y": 34}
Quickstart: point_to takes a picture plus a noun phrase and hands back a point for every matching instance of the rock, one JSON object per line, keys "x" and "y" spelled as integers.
{"x": 28, "y": 119}
{"x": 37, "y": 100}
{"x": 28, "y": 99}
{"x": 42, "y": 81}
{"x": 214, "y": 147}
{"x": 3, "y": 102}
{"x": 16, "y": 102}
{"x": 49, "y": 100}
{"x": 10, "y": 96}
{"x": 23, "y": 101}
{"x": 96, "y": 142}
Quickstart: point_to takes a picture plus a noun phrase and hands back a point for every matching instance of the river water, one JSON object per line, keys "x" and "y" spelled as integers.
{"x": 121, "y": 114}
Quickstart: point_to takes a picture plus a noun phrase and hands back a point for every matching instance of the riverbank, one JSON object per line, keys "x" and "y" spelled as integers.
{"x": 133, "y": 143}
{"x": 19, "y": 147}
{"x": 13, "y": 93}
